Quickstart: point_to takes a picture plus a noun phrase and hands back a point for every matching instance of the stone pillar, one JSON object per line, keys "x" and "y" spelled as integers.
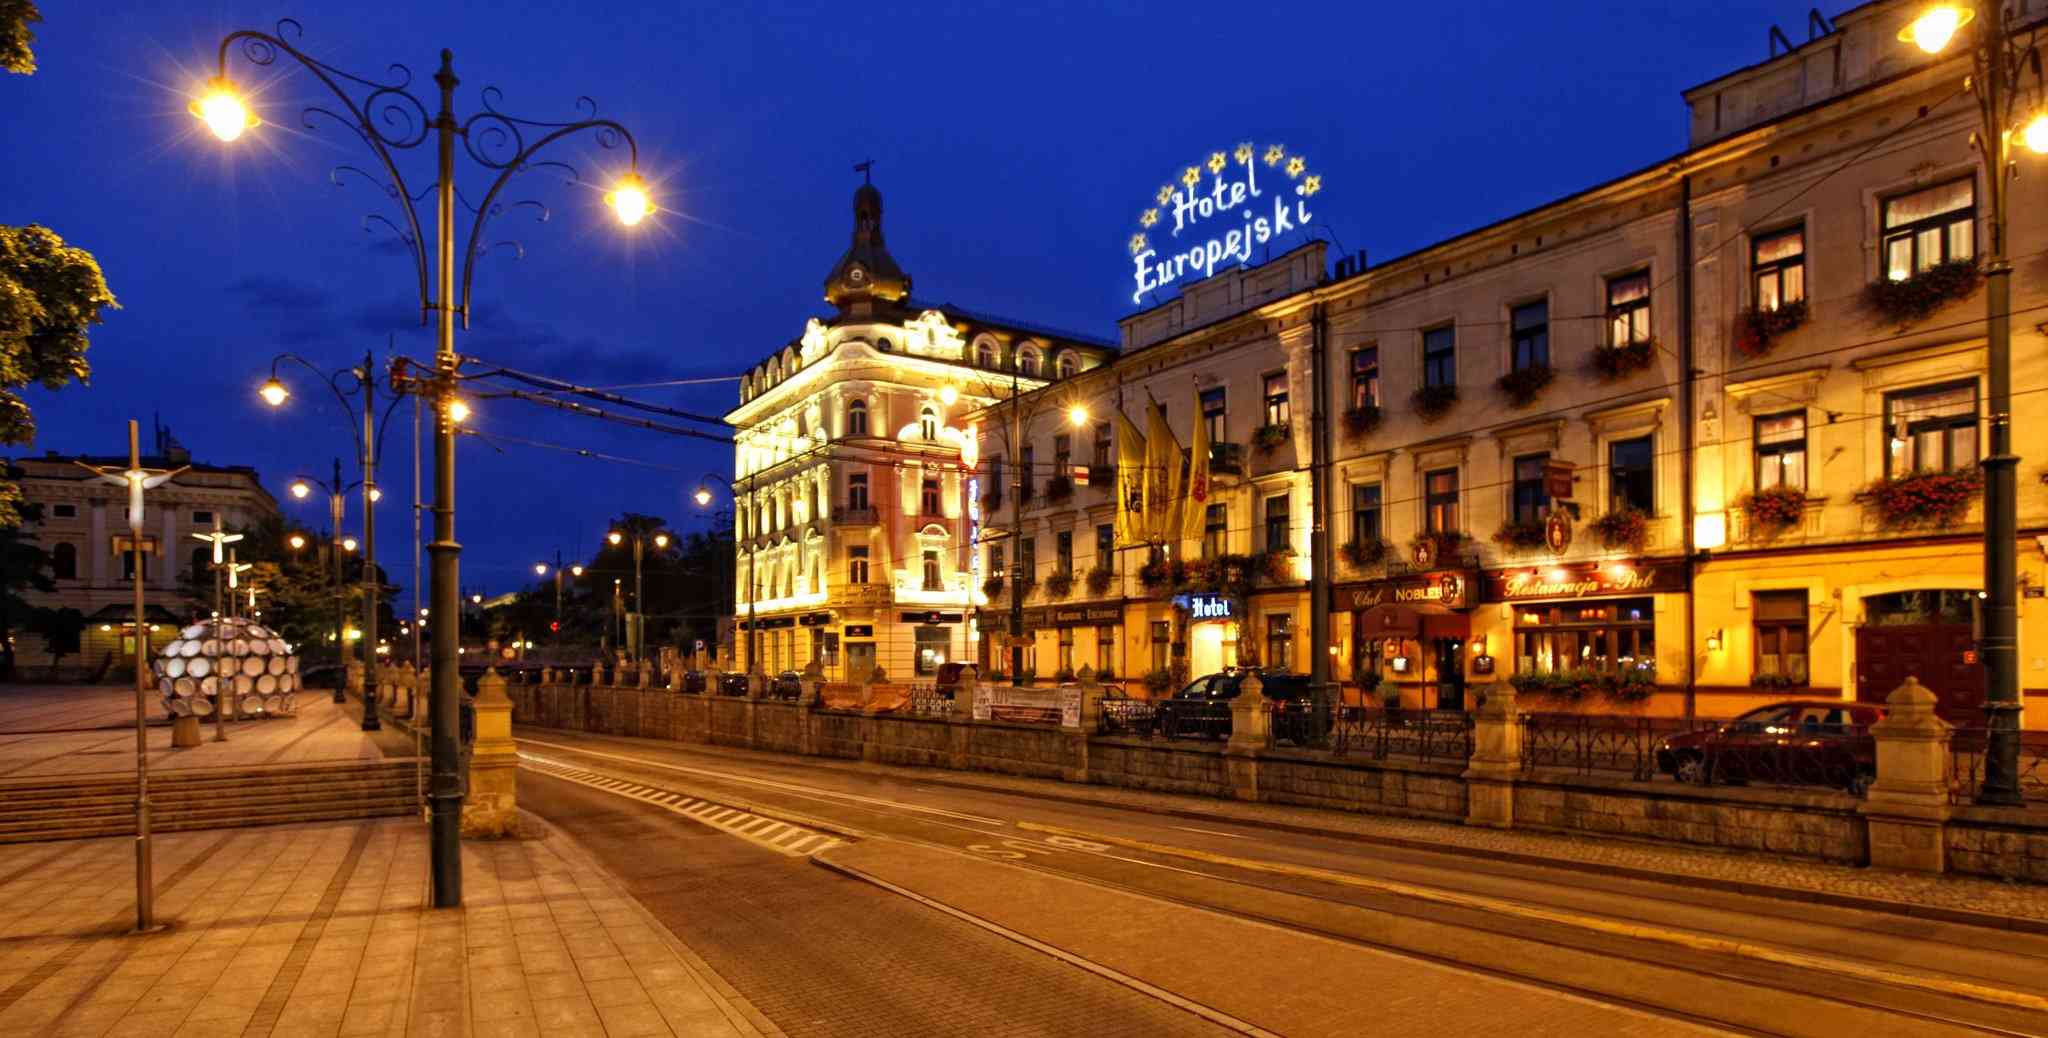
{"x": 757, "y": 685}
{"x": 1496, "y": 760}
{"x": 645, "y": 673}
{"x": 1076, "y": 768}
{"x": 1251, "y": 730}
{"x": 1907, "y": 807}
{"x": 675, "y": 680}
{"x": 491, "y": 809}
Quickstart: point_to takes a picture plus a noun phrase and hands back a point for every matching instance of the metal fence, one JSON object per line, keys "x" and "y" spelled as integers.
{"x": 1422, "y": 735}
{"x": 1127, "y": 717}
{"x": 1966, "y": 765}
{"x": 926, "y": 701}
{"x": 1701, "y": 751}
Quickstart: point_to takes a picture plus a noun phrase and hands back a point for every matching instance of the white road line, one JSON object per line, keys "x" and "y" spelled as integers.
{"x": 1207, "y": 832}
{"x": 778, "y": 836}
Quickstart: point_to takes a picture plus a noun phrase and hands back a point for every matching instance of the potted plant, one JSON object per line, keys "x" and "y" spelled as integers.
{"x": 1622, "y": 527}
{"x": 1777, "y": 682}
{"x": 1523, "y": 385}
{"x": 993, "y": 586}
{"x": 1278, "y": 565}
{"x": 1269, "y": 438}
{"x": 1158, "y": 682}
{"x": 1912, "y": 300}
{"x": 1774, "y": 510}
{"x": 1433, "y": 402}
{"x": 1362, "y": 420}
{"x": 1520, "y": 535}
{"x": 1623, "y": 359}
{"x": 1361, "y": 554}
{"x": 1923, "y": 498}
{"x": 1153, "y": 575}
{"x": 1632, "y": 685}
{"x": 1757, "y": 330}
{"x": 1099, "y": 579}
{"x": 1200, "y": 575}
{"x": 1059, "y": 583}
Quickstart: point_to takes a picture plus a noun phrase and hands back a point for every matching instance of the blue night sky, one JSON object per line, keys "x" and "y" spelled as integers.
{"x": 1014, "y": 143}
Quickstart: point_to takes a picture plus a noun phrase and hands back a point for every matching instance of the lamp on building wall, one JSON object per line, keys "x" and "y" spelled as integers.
{"x": 1714, "y": 640}
{"x": 1709, "y": 530}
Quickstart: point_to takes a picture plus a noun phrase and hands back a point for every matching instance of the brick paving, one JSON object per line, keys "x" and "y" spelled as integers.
{"x": 324, "y": 930}
{"x": 54, "y": 730}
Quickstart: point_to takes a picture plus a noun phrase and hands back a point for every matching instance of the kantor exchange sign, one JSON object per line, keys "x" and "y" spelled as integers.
{"x": 1223, "y": 219}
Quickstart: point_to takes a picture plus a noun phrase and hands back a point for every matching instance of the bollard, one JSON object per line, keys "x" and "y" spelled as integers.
{"x": 1907, "y": 808}
{"x": 1496, "y": 759}
{"x": 492, "y": 809}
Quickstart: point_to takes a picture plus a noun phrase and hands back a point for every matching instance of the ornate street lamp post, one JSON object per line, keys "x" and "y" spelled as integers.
{"x": 387, "y": 117}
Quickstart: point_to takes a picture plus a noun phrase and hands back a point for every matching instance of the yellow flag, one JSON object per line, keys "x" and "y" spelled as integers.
{"x": 1195, "y": 509}
{"x": 1162, "y": 478}
{"x": 1130, "y": 483}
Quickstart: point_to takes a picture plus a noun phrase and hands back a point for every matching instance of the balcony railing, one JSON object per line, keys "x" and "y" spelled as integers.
{"x": 1226, "y": 459}
{"x": 859, "y": 595}
{"x": 849, "y": 515}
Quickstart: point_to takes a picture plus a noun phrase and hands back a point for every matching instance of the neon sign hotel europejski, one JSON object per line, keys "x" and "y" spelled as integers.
{"x": 1231, "y": 211}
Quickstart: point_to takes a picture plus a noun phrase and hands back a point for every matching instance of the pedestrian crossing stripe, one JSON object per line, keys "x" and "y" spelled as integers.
{"x": 776, "y": 835}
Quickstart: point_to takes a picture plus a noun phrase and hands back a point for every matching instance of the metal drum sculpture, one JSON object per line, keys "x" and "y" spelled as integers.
{"x": 236, "y": 664}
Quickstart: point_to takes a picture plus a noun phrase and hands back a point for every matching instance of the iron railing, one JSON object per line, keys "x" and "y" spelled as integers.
{"x": 1966, "y": 765}
{"x": 1127, "y": 717}
{"x": 1422, "y": 735}
{"x": 1701, "y": 751}
{"x": 1602, "y": 743}
{"x": 926, "y": 701}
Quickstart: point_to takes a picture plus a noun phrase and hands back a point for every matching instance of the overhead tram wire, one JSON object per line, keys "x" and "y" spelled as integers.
{"x": 555, "y": 385}
{"x": 587, "y": 411}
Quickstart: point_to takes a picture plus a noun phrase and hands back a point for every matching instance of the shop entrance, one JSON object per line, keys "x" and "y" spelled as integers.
{"x": 1208, "y": 650}
{"x": 1928, "y": 635}
{"x": 860, "y": 661}
{"x": 1450, "y": 673}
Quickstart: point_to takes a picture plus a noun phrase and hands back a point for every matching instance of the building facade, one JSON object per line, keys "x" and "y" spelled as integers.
{"x": 856, "y": 497}
{"x": 1701, "y": 437}
{"x": 84, "y": 528}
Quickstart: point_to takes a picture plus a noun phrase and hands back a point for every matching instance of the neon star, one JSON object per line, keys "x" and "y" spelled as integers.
{"x": 1244, "y": 154}
{"x": 1165, "y": 194}
{"x": 1137, "y": 244}
{"x": 1148, "y": 218}
{"x": 1216, "y": 162}
{"x": 1192, "y": 176}
{"x": 1274, "y": 154}
{"x": 1312, "y": 184}
{"x": 1296, "y": 165}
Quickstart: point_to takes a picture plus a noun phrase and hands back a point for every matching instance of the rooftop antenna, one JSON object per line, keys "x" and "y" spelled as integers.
{"x": 866, "y": 171}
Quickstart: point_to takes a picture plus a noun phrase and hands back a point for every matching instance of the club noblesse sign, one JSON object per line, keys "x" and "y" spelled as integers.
{"x": 1221, "y": 218}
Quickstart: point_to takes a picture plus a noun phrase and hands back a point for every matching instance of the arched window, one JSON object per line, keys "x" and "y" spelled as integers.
{"x": 1068, "y": 365}
{"x": 986, "y": 355}
{"x": 857, "y": 418}
{"x": 928, "y": 424}
{"x": 931, "y": 572}
{"x": 1027, "y": 361}
{"x": 64, "y": 561}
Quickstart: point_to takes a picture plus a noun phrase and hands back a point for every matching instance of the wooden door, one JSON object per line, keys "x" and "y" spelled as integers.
{"x": 1934, "y": 653}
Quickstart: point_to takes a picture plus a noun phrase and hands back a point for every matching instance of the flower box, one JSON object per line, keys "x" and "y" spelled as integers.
{"x": 1521, "y": 535}
{"x": 1923, "y": 498}
{"x": 1774, "y": 510}
{"x": 993, "y": 586}
{"x": 1433, "y": 402}
{"x": 1915, "y": 299}
{"x": 1623, "y": 359}
{"x": 1059, "y": 488}
{"x": 1269, "y": 438}
{"x": 1059, "y": 583}
{"x": 1446, "y": 543}
{"x": 1756, "y": 330}
{"x": 1523, "y": 385}
{"x": 1099, "y": 579}
{"x": 1360, "y": 421}
{"x": 1361, "y": 554}
{"x": 1154, "y": 575}
{"x": 1278, "y": 566}
{"x": 1622, "y": 528}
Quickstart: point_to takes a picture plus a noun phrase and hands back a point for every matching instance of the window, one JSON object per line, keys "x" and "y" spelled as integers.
{"x": 1781, "y": 451}
{"x": 1628, "y": 309}
{"x": 1930, "y": 227}
{"x": 1440, "y": 356}
{"x": 1279, "y": 640}
{"x": 1440, "y": 501}
{"x": 857, "y": 491}
{"x": 1598, "y": 636}
{"x": 932, "y": 646}
{"x": 202, "y": 518}
{"x": 995, "y": 480}
{"x": 1063, "y": 551}
{"x": 1529, "y": 326}
{"x": 1215, "y": 531}
{"x": 985, "y": 355}
{"x": 1063, "y": 455}
{"x": 857, "y": 564}
{"x": 1162, "y": 641}
{"x": 1069, "y": 365}
{"x": 1102, "y": 447}
{"x": 857, "y": 418}
{"x": 1276, "y": 523}
{"x": 1105, "y": 545}
{"x": 1066, "y": 636}
{"x": 998, "y": 564}
{"x": 1631, "y": 482}
{"x": 1365, "y": 513}
{"x": 128, "y": 565}
{"x": 1530, "y": 498}
{"x": 1365, "y": 377}
{"x": 1105, "y": 651}
{"x": 1213, "y": 411}
{"x": 1777, "y": 264}
{"x": 1276, "y": 398}
{"x": 1027, "y": 361}
{"x": 64, "y": 511}
{"x": 1026, "y": 470}
{"x": 933, "y": 581}
{"x": 64, "y": 561}
{"x": 928, "y": 498}
{"x": 1027, "y": 560}
{"x": 928, "y": 424}
{"x": 1933, "y": 429}
{"x": 1780, "y": 635}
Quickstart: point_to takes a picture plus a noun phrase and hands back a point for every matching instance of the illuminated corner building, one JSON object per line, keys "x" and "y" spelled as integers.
{"x": 856, "y": 504}
{"x": 84, "y": 528}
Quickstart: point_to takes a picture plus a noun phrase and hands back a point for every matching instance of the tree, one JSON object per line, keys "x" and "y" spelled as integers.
{"x": 15, "y": 18}
{"x": 24, "y": 566}
{"x": 62, "y": 631}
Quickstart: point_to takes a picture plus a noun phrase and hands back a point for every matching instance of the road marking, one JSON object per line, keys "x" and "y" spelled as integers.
{"x": 1207, "y": 832}
{"x": 811, "y": 792}
{"x": 1637, "y": 931}
{"x": 747, "y": 826}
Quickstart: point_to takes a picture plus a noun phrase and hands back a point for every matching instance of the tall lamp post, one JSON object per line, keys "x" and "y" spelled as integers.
{"x": 1999, "y": 64}
{"x": 703, "y": 498}
{"x": 338, "y": 545}
{"x": 219, "y": 539}
{"x": 637, "y": 619}
{"x": 540, "y": 569}
{"x": 387, "y": 117}
{"x": 369, "y": 437}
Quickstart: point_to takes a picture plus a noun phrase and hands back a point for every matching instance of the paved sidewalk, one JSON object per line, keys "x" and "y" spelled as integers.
{"x": 325, "y": 930}
{"x": 50, "y": 730}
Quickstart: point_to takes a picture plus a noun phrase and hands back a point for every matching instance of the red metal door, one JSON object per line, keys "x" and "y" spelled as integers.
{"x": 1942, "y": 656}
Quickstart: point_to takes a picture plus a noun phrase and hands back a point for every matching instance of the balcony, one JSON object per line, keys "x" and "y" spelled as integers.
{"x": 1226, "y": 459}
{"x": 853, "y": 595}
{"x": 850, "y": 515}
{"x": 1102, "y": 477}
{"x": 1059, "y": 488}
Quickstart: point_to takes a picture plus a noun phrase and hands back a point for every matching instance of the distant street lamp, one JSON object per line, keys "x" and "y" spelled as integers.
{"x": 703, "y": 497}
{"x": 1999, "y": 64}
{"x": 638, "y": 618}
{"x": 337, "y": 495}
{"x": 386, "y": 117}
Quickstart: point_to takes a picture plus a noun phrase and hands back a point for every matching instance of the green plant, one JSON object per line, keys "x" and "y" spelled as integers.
{"x": 1268, "y": 438}
{"x": 1369, "y": 681}
{"x": 1520, "y": 535}
{"x": 1633, "y": 684}
{"x": 1277, "y": 566}
{"x": 1923, "y": 498}
{"x": 993, "y": 586}
{"x": 1777, "y": 682}
{"x": 1059, "y": 583}
{"x": 1063, "y": 674}
{"x": 1099, "y": 579}
{"x": 1364, "y": 553}
{"x": 1200, "y": 575}
{"x": 1158, "y": 681}
{"x": 1623, "y": 527}
{"x": 1153, "y": 575}
{"x": 1774, "y": 510}
{"x": 1362, "y": 420}
{"x": 1756, "y": 330}
{"x": 1915, "y": 299}
{"x": 1623, "y": 359}
{"x": 1522, "y": 385}
{"x": 1434, "y": 401}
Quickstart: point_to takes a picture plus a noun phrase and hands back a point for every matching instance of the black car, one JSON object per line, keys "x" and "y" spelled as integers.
{"x": 693, "y": 682}
{"x": 732, "y": 683}
{"x": 1202, "y": 709}
{"x": 786, "y": 685}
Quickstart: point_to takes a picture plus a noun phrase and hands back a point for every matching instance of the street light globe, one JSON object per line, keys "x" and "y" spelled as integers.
{"x": 703, "y": 496}
{"x": 1077, "y": 415}
{"x": 661, "y": 540}
{"x": 274, "y": 393}
{"x": 348, "y": 544}
{"x": 629, "y": 200}
{"x": 540, "y": 569}
{"x": 575, "y": 571}
{"x": 947, "y": 395}
{"x": 296, "y": 542}
{"x": 613, "y": 537}
{"x": 222, "y": 110}
{"x": 458, "y": 412}
{"x": 476, "y": 600}
{"x": 1936, "y": 26}
{"x": 300, "y": 489}
{"x": 376, "y": 495}
{"x": 2035, "y": 134}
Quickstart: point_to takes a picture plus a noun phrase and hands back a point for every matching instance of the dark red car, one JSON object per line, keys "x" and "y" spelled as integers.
{"x": 1815, "y": 742}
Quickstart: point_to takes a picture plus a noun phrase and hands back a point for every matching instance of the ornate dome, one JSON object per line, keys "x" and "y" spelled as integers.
{"x": 240, "y": 658}
{"x": 867, "y": 272}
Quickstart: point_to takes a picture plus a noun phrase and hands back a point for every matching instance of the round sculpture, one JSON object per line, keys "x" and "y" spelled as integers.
{"x": 240, "y": 660}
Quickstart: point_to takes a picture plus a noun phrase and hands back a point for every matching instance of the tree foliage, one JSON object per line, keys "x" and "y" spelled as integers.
{"x": 16, "y": 54}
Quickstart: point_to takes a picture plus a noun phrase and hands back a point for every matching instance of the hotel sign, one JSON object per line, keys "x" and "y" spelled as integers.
{"x": 1451, "y": 589}
{"x": 1582, "y": 580}
{"x": 1204, "y": 606}
{"x": 1216, "y": 210}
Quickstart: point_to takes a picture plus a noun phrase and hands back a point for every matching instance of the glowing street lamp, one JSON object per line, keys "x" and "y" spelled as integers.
{"x": 639, "y": 614}
{"x": 273, "y": 392}
{"x": 300, "y": 489}
{"x": 703, "y": 496}
{"x": 540, "y": 569}
{"x": 1077, "y": 416}
{"x": 458, "y": 411}
{"x": 629, "y": 200}
{"x": 222, "y": 110}
{"x": 348, "y": 544}
{"x": 1936, "y": 26}
{"x": 297, "y": 541}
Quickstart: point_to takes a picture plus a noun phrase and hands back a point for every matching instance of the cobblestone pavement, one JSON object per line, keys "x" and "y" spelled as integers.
{"x": 822, "y": 955}
{"x": 325, "y": 930}
{"x": 50, "y": 730}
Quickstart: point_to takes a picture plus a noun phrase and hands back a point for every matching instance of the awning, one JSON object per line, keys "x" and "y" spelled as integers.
{"x": 1400, "y": 620}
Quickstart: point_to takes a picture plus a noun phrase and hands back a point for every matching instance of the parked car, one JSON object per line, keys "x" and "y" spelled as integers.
{"x": 786, "y": 685}
{"x": 732, "y": 683}
{"x": 1821, "y": 742}
{"x": 947, "y": 681}
{"x": 1202, "y": 709}
{"x": 693, "y": 682}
